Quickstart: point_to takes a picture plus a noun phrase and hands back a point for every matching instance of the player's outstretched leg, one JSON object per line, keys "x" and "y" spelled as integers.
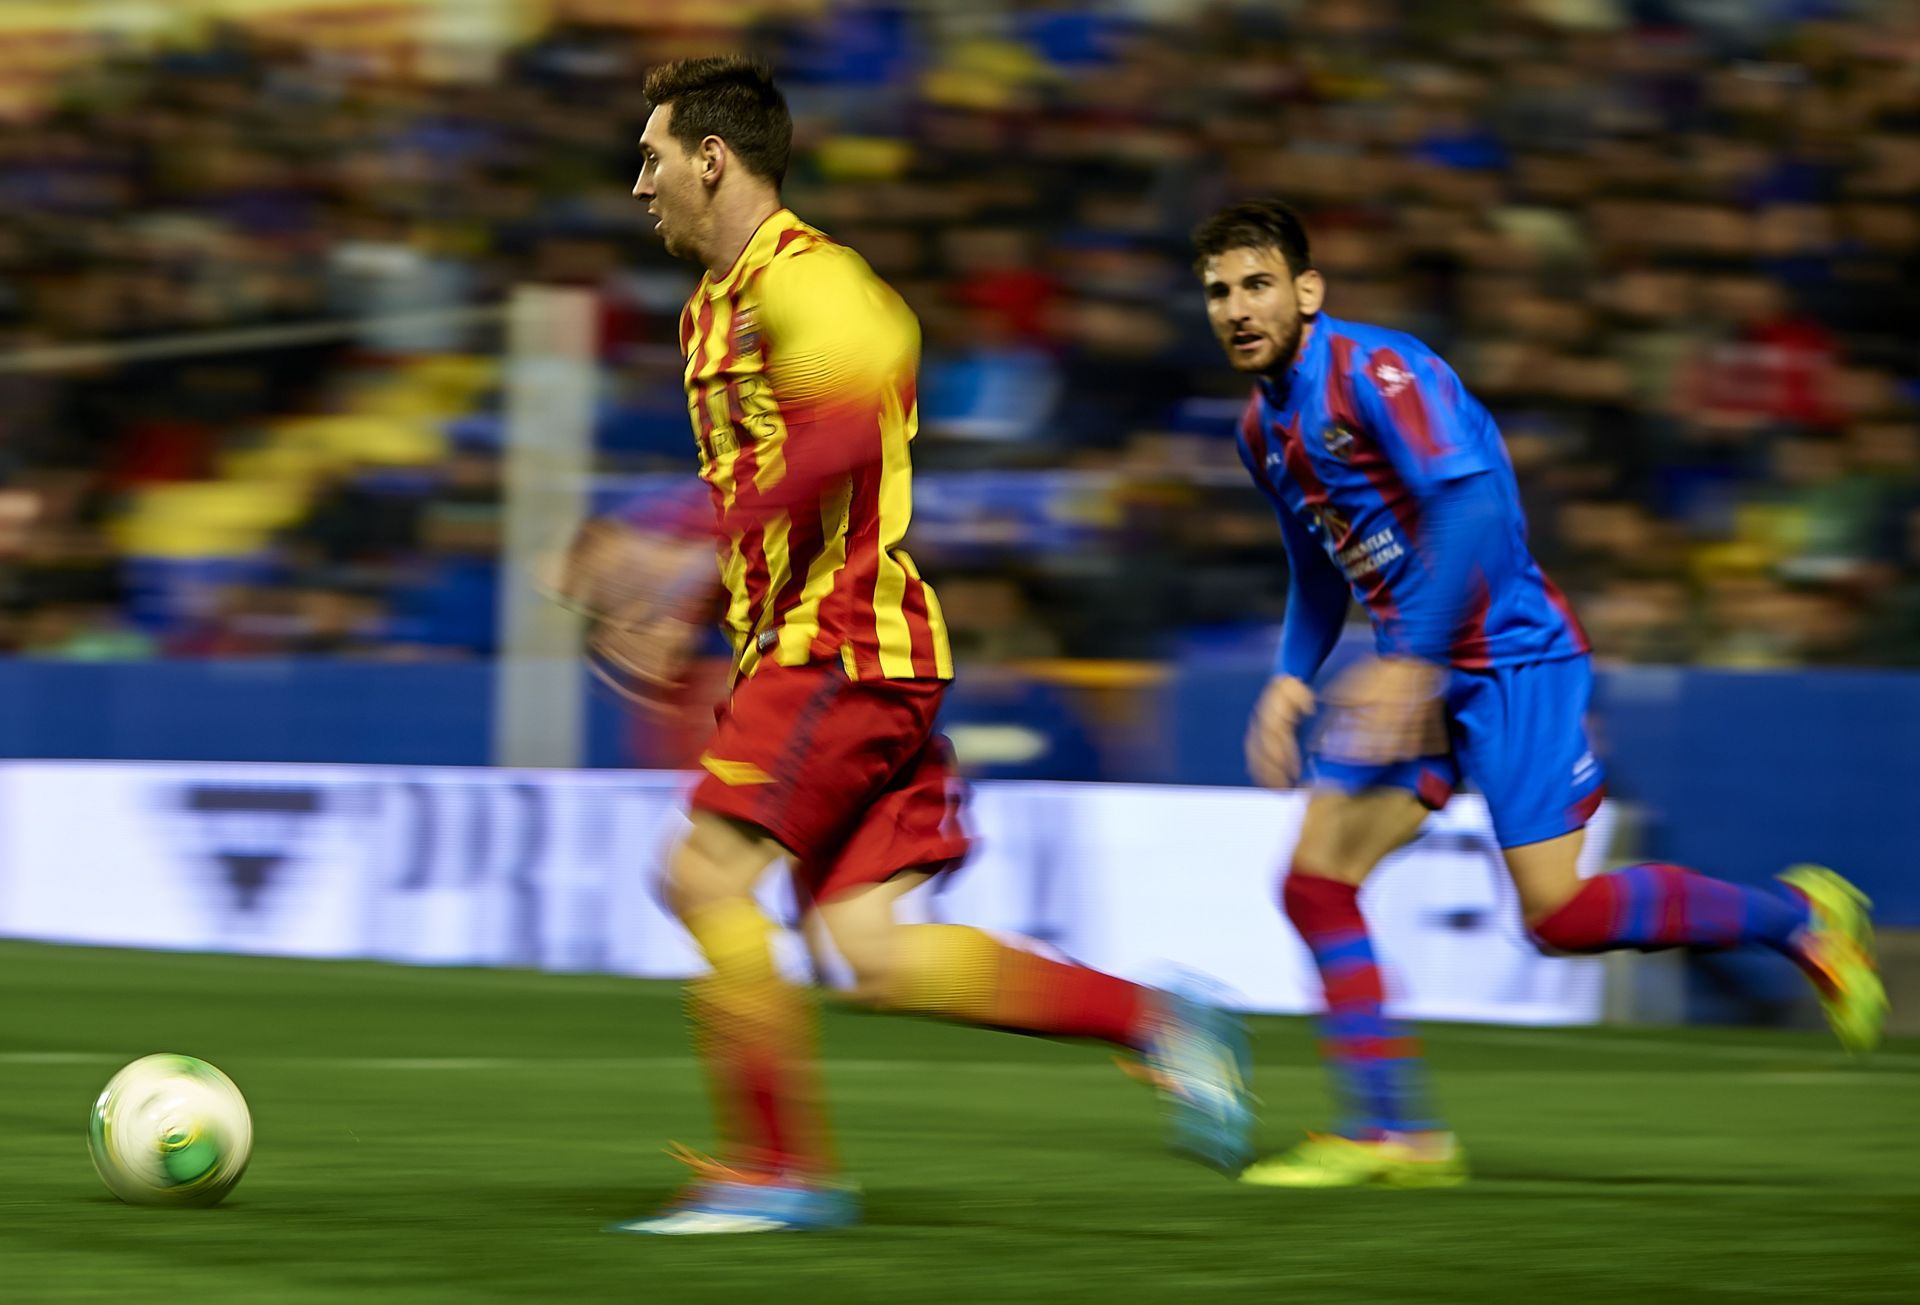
{"x": 1195, "y": 1053}
{"x": 1819, "y": 921}
{"x": 1388, "y": 1133}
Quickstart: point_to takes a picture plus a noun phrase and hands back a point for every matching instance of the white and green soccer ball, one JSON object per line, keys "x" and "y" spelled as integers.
{"x": 170, "y": 1130}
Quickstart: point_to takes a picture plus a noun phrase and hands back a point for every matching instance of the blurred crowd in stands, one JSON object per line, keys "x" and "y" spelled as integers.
{"x": 1674, "y": 244}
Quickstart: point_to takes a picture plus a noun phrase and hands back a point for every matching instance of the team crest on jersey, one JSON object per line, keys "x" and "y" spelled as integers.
{"x": 1339, "y": 441}
{"x": 746, "y": 333}
{"x": 1332, "y": 524}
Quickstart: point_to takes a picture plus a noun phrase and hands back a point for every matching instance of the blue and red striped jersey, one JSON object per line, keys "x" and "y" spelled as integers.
{"x": 1367, "y": 426}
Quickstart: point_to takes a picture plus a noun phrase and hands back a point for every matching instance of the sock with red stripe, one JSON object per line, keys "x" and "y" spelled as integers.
{"x": 959, "y": 973}
{"x": 1379, "y": 1077}
{"x": 756, "y": 1036}
{"x": 1653, "y": 906}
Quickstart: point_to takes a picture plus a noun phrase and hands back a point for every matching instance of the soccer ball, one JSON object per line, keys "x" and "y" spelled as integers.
{"x": 170, "y": 1130}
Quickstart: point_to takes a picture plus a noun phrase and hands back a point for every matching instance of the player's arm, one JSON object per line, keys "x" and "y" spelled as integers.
{"x": 1317, "y": 601}
{"x": 841, "y": 349}
{"x": 1417, "y": 410}
{"x": 1421, "y": 415}
{"x": 1460, "y": 521}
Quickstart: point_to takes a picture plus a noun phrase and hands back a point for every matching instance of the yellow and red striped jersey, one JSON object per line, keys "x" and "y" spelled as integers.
{"x": 800, "y": 381}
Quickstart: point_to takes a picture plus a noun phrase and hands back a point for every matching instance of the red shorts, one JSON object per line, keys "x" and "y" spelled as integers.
{"x": 848, "y": 775}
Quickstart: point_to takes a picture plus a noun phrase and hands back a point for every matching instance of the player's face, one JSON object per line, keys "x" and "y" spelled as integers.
{"x": 1257, "y": 307}
{"x": 669, "y": 185}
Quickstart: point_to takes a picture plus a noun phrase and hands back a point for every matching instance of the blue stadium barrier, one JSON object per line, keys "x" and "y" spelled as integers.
{"x": 435, "y": 713}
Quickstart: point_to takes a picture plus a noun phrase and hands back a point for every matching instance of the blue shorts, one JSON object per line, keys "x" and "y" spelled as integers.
{"x": 1519, "y": 734}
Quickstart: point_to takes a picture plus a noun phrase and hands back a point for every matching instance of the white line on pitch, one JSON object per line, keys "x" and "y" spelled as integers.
{"x": 56, "y": 1058}
{"x": 470, "y": 1064}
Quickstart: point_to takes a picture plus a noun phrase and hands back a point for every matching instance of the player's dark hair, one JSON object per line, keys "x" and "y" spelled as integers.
{"x": 732, "y": 97}
{"x": 1255, "y": 224}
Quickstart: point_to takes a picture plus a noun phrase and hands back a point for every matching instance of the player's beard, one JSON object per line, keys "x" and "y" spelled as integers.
{"x": 1287, "y": 348}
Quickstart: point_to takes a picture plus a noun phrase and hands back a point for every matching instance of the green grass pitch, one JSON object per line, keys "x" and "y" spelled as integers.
{"x": 459, "y": 1135}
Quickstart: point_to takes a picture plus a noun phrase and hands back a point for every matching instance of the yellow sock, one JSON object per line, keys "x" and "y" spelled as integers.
{"x": 756, "y": 1034}
{"x": 947, "y": 970}
{"x": 960, "y": 973}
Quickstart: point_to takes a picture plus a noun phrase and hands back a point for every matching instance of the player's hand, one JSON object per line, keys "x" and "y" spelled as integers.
{"x": 1386, "y": 710}
{"x": 611, "y": 565}
{"x": 645, "y": 660}
{"x": 647, "y": 596}
{"x": 1273, "y": 737}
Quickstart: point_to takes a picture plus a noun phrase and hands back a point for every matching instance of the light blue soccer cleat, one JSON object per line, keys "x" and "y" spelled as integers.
{"x": 710, "y": 1208}
{"x": 1199, "y": 1059}
{"x": 724, "y": 1200}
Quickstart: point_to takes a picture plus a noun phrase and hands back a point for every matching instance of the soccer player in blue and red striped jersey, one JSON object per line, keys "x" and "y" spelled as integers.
{"x": 1393, "y": 487}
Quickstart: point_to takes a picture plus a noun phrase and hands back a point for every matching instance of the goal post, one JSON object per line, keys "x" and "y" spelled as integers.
{"x": 539, "y": 707}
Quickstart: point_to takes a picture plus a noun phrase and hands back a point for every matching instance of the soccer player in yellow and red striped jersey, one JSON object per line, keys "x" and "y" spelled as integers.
{"x": 800, "y": 384}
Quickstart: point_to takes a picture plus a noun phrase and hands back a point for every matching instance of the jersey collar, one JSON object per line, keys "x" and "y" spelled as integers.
{"x": 754, "y": 252}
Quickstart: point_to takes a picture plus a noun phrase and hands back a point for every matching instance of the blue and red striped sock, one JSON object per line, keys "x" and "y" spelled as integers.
{"x": 1655, "y": 905}
{"x": 1379, "y": 1077}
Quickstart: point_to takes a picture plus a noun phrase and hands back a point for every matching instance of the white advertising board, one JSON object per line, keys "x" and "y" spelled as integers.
{"x": 559, "y": 870}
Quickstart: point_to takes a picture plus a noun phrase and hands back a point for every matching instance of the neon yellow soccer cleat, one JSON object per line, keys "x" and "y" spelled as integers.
{"x": 1328, "y": 1160}
{"x": 1839, "y": 946}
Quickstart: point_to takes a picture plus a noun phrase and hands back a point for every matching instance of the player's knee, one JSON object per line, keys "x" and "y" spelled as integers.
{"x": 1330, "y": 858}
{"x": 1343, "y": 838}
{"x": 871, "y": 941}
{"x": 689, "y": 886}
{"x": 1563, "y": 924}
{"x": 1539, "y": 910}
{"x": 711, "y": 864}
{"x": 873, "y": 959}
{"x": 1547, "y": 877}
